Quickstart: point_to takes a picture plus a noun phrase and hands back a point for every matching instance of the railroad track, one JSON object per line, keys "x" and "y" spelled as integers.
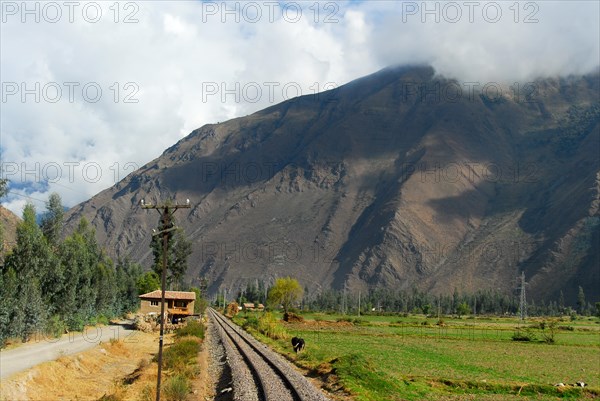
{"x": 260, "y": 374}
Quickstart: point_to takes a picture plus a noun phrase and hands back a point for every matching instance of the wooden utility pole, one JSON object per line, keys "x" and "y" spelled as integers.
{"x": 166, "y": 211}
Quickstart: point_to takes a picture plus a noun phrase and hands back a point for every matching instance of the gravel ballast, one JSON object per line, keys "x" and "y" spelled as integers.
{"x": 246, "y": 385}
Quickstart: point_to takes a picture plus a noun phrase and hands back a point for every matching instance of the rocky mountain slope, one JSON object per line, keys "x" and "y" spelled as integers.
{"x": 402, "y": 178}
{"x": 8, "y": 222}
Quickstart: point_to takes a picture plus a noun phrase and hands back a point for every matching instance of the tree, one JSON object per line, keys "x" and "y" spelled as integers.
{"x": 148, "y": 282}
{"x": 30, "y": 254}
{"x": 201, "y": 302}
{"x": 254, "y": 292}
{"x": 71, "y": 262}
{"x": 80, "y": 256}
{"x": 463, "y": 309}
{"x": 598, "y": 310}
{"x": 127, "y": 274}
{"x": 51, "y": 227}
{"x": 455, "y": 298}
{"x": 178, "y": 251}
{"x": 285, "y": 292}
{"x": 52, "y": 220}
{"x": 105, "y": 286}
{"x": 561, "y": 302}
{"x": 32, "y": 263}
{"x": 580, "y": 301}
{"x": 8, "y": 295}
{"x": 34, "y": 309}
{"x": 44, "y": 287}
{"x": 90, "y": 257}
{"x": 182, "y": 250}
{"x": 219, "y": 300}
{"x": 3, "y": 187}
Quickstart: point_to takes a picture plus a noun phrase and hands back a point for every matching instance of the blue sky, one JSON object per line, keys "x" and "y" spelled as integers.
{"x": 89, "y": 93}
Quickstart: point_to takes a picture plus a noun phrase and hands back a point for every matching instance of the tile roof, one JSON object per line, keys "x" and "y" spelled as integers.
{"x": 251, "y": 305}
{"x": 191, "y": 296}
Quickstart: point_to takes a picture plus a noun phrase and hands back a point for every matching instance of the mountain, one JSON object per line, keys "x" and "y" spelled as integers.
{"x": 399, "y": 179}
{"x": 8, "y": 222}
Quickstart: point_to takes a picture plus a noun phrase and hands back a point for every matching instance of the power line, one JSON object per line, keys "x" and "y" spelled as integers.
{"x": 25, "y": 196}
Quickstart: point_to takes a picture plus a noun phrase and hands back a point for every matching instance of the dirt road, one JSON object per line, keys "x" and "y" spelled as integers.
{"x": 44, "y": 349}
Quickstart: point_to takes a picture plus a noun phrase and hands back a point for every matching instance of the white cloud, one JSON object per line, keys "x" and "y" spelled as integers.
{"x": 179, "y": 57}
{"x": 176, "y": 26}
{"x": 526, "y": 40}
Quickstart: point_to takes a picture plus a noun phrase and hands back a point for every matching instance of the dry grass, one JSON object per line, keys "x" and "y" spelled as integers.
{"x": 144, "y": 387}
{"x": 182, "y": 364}
{"x": 88, "y": 375}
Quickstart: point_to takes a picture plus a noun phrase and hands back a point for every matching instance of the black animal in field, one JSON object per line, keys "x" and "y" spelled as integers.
{"x": 298, "y": 344}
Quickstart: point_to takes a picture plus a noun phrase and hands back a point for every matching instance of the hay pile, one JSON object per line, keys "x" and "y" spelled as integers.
{"x": 291, "y": 317}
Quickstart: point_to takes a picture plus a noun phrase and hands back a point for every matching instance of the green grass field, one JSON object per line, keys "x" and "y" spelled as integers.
{"x": 412, "y": 358}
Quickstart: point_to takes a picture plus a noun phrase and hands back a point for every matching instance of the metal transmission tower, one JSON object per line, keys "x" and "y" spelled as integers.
{"x": 166, "y": 211}
{"x": 523, "y": 300}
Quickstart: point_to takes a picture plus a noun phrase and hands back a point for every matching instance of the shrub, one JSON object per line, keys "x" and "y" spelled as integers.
{"x": 55, "y": 327}
{"x": 250, "y": 322}
{"x": 520, "y": 336}
{"x": 524, "y": 335}
{"x": 193, "y": 328}
{"x": 549, "y": 334}
{"x": 181, "y": 356}
{"x": 176, "y": 388}
{"x": 567, "y": 328}
{"x": 75, "y": 322}
{"x": 269, "y": 326}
